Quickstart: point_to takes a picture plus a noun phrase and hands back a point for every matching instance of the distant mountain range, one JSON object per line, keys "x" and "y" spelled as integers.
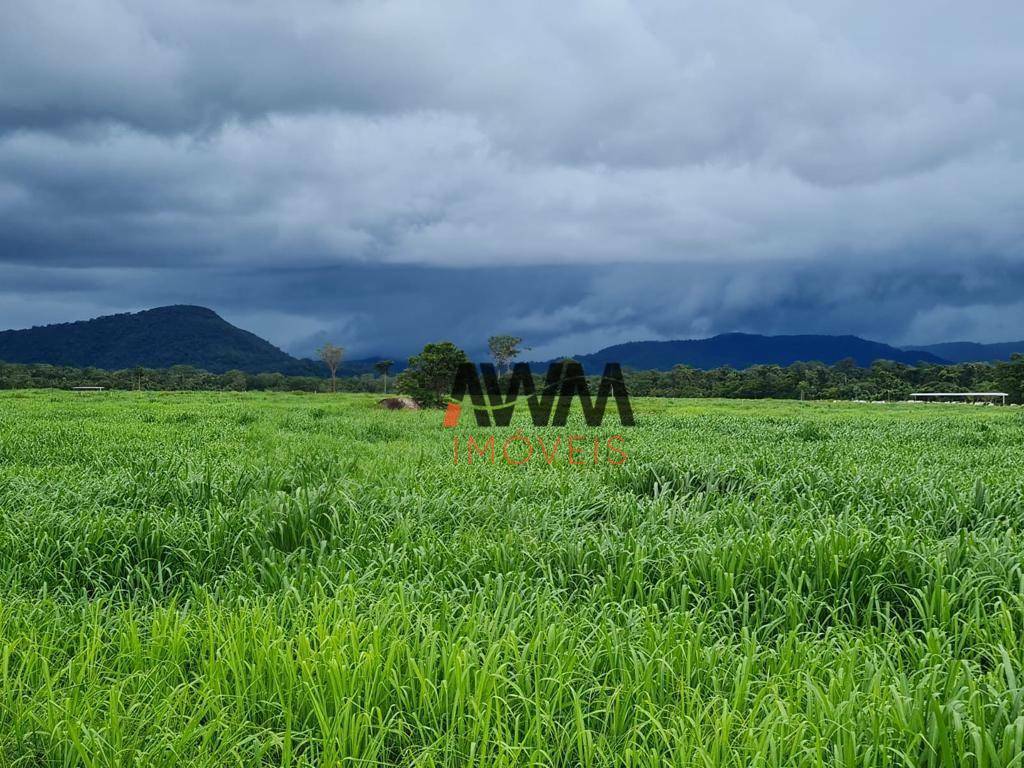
{"x": 196, "y": 336}
{"x": 742, "y": 350}
{"x": 972, "y": 352}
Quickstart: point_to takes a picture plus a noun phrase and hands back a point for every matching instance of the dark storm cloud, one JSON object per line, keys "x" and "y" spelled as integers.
{"x": 387, "y": 173}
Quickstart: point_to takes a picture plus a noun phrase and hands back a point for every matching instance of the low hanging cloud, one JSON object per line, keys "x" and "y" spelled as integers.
{"x": 390, "y": 173}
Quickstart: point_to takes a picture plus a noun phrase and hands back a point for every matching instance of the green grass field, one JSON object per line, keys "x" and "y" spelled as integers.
{"x": 298, "y": 580}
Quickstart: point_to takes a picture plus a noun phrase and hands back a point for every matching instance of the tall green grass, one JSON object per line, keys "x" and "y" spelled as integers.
{"x": 279, "y": 580}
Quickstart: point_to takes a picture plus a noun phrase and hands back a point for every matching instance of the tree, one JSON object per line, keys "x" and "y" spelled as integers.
{"x": 235, "y": 380}
{"x": 504, "y": 349}
{"x": 431, "y": 373}
{"x": 1010, "y": 376}
{"x": 847, "y": 366}
{"x": 382, "y": 367}
{"x": 331, "y": 355}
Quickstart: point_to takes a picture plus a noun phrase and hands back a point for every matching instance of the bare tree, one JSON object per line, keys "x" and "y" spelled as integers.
{"x": 383, "y": 366}
{"x": 504, "y": 349}
{"x": 331, "y": 355}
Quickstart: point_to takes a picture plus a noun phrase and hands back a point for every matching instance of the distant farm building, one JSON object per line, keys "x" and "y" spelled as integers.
{"x": 960, "y": 397}
{"x": 87, "y": 389}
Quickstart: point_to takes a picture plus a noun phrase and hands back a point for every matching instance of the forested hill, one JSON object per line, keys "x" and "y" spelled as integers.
{"x": 154, "y": 338}
{"x": 742, "y": 350}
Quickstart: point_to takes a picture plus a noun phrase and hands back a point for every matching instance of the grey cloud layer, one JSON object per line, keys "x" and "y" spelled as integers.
{"x": 670, "y": 168}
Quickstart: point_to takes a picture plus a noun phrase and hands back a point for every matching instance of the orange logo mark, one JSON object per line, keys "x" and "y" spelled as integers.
{"x": 451, "y": 416}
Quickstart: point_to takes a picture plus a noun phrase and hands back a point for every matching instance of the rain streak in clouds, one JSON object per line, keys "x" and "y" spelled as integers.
{"x": 384, "y": 174}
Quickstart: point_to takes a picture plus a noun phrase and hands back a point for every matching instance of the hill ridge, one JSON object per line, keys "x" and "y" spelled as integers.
{"x": 743, "y": 350}
{"x": 160, "y": 337}
{"x": 190, "y": 334}
{"x": 972, "y": 351}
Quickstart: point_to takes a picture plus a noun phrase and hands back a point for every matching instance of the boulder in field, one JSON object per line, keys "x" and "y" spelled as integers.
{"x": 399, "y": 404}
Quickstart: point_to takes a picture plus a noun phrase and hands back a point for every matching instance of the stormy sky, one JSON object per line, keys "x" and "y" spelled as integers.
{"x": 382, "y": 174}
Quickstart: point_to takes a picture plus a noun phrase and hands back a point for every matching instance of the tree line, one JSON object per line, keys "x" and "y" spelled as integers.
{"x": 177, "y": 377}
{"x": 429, "y": 374}
{"x": 882, "y": 380}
